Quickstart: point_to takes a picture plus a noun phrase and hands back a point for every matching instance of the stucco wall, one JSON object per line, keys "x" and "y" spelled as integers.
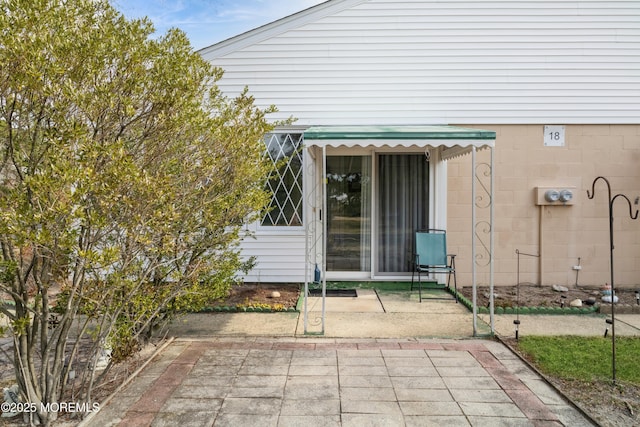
{"x": 560, "y": 234}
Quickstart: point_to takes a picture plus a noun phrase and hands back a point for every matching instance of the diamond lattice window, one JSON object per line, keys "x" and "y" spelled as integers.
{"x": 285, "y": 151}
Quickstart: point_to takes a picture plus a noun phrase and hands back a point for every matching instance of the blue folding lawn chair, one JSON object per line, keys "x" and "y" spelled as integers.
{"x": 431, "y": 257}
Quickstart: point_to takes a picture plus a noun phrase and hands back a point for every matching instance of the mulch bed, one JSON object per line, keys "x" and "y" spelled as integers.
{"x": 259, "y": 297}
{"x": 544, "y": 296}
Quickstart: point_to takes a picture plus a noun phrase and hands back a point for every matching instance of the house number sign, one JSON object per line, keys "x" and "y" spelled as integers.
{"x": 554, "y": 136}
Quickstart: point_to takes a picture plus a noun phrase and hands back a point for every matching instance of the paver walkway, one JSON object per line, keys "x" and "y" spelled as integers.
{"x": 263, "y": 381}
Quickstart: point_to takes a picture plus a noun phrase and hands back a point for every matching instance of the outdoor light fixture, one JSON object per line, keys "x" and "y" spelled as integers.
{"x": 638, "y": 297}
{"x": 517, "y": 321}
{"x": 606, "y": 331}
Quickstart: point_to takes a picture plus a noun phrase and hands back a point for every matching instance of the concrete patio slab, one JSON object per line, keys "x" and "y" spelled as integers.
{"x": 366, "y": 301}
{"x": 234, "y": 324}
{"x": 410, "y": 364}
{"x": 349, "y": 396}
{"x": 390, "y": 325}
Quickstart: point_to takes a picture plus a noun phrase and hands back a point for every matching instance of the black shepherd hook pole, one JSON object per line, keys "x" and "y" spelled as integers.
{"x": 633, "y": 215}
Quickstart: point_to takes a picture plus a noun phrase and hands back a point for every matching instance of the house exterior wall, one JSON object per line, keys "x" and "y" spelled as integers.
{"x": 279, "y": 252}
{"x": 443, "y": 62}
{"x": 560, "y": 234}
{"x": 510, "y": 66}
{"x": 279, "y": 255}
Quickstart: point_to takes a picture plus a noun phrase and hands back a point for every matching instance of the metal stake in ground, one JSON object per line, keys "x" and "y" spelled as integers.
{"x": 590, "y": 195}
{"x": 517, "y": 321}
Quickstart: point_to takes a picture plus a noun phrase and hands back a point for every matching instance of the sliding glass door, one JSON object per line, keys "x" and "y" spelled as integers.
{"x": 403, "y": 208}
{"x": 349, "y": 213}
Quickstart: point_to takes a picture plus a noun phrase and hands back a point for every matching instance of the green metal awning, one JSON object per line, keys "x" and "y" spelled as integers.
{"x": 453, "y": 141}
{"x": 427, "y": 133}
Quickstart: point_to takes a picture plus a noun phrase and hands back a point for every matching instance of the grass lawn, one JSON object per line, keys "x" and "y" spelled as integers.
{"x": 582, "y": 358}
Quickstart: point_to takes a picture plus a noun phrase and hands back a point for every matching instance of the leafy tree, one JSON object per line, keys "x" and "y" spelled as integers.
{"x": 125, "y": 177}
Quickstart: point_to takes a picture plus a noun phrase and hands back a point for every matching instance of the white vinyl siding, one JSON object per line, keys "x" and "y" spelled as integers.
{"x": 452, "y": 62}
{"x": 279, "y": 256}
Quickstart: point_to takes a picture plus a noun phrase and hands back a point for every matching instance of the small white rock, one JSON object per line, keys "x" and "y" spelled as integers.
{"x": 576, "y": 303}
{"x": 559, "y": 288}
{"x": 275, "y": 294}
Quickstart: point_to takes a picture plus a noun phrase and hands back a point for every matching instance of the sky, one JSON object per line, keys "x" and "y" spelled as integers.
{"x": 207, "y": 22}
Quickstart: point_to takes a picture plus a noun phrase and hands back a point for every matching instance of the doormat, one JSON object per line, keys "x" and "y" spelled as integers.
{"x": 349, "y": 293}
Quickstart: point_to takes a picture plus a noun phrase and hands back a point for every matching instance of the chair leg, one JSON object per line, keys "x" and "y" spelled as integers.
{"x": 419, "y": 287}
{"x": 455, "y": 285}
{"x": 455, "y": 280}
